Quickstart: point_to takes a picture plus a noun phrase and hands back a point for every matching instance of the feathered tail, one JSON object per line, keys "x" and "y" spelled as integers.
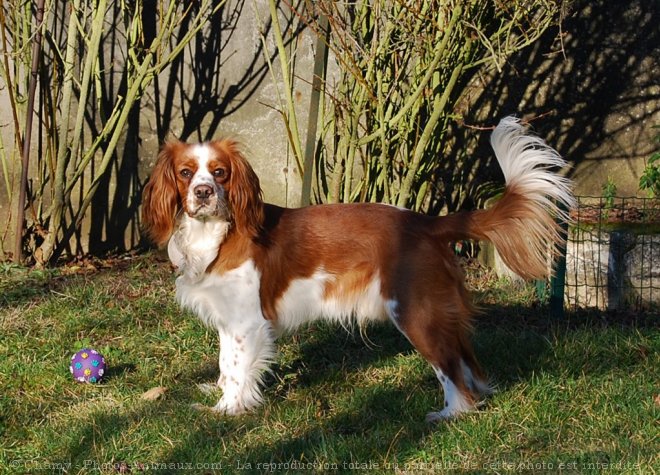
{"x": 523, "y": 224}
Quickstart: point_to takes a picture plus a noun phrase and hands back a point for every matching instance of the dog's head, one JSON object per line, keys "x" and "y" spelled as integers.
{"x": 206, "y": 181}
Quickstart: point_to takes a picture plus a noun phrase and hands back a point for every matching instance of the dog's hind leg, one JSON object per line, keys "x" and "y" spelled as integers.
{"x": 461, "y": 378}
{"x": 441, "y": 334}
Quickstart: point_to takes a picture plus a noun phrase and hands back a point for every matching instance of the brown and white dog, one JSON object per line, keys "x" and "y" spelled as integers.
{"x": 252, "y": 270}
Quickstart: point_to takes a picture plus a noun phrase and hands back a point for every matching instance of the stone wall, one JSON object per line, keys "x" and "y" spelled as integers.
{"x": 612, "y": 270}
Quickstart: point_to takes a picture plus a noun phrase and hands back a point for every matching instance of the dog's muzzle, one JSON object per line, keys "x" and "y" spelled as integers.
{"x": 206, "y": 201}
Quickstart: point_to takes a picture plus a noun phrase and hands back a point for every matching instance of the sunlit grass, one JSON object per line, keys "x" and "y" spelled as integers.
{"x": 577, "y": 393}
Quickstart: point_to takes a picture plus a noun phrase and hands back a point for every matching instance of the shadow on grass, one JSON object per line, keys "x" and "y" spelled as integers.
{"x": 326, "y": 349}
{"x": 20, "y": 286}
{"x": 120, "y": 371}
{"x": 20, "y": 289}
{"x": 339, "y": 424}
{"x": 370, "y": 424}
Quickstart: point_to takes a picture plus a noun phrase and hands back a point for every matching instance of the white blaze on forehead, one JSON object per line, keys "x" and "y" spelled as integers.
{"x": 214, "y": 204}
{"x": 202, "y": 153}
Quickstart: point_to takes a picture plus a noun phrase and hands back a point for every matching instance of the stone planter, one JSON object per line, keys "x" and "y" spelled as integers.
{"x": 613, "y": 259}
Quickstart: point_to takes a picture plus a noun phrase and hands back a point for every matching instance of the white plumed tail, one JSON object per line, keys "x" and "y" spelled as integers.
{"x": 524, "y": 224}
{"x": 527, "y": 163}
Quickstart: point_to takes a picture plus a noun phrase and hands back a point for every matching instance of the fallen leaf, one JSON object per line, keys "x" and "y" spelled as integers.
{"x": 154, "y": 393}
{"x": 657, "y": 399}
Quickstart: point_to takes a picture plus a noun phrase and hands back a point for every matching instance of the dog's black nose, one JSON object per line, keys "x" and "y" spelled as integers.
{"x": 202, "y": 192}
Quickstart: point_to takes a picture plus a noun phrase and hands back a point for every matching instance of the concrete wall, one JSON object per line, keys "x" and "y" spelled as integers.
{"x": 594, "y": 92}
{"x": 595, "y": 95}
{"x": 232, "y": 93}
{"x": 221, "y": 86}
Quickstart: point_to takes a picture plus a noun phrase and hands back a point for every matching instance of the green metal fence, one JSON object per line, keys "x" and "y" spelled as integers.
{"x": 612, "y": 258}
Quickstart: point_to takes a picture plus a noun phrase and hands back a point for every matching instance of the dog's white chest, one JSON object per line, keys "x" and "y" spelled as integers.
{"x": 194, "y": 245}
{"x": 223, "y": 300}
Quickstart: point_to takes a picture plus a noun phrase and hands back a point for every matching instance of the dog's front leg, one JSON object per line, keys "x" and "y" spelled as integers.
{"x": 245, "y": 354}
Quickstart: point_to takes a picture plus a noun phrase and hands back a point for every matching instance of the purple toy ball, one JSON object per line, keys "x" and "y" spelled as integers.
{"x": 87, "y": 366}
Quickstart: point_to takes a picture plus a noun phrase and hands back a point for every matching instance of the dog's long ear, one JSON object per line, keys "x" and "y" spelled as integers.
{"x": 160, "y": 199}
{"x": 244, "y": 193}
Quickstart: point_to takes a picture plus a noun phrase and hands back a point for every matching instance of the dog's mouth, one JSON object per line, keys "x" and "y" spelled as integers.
{"x": 208, "y": 208}
{"x": 203, "y": 209}
{"x": 204, "y": 205}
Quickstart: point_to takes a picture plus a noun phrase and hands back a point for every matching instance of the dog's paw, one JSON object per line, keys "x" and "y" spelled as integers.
{"x": 219, "y": 408}
{"x": 201, "y": 407}
{"x": 208, "y": 388}
{"x": 435, "y": 417}
{"x": 447, "y": 414}
{"x": 225, "y": 407}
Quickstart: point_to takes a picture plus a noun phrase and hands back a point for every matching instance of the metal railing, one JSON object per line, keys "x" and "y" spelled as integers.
{"x": 612, "y": 258}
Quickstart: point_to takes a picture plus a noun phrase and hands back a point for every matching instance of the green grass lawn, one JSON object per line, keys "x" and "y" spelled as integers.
{"x": 579, "y": 395}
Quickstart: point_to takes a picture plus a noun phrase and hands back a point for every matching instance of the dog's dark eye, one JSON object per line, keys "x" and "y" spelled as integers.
{"x": 185, "y": 173}
{"x": 219, "y": 173}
